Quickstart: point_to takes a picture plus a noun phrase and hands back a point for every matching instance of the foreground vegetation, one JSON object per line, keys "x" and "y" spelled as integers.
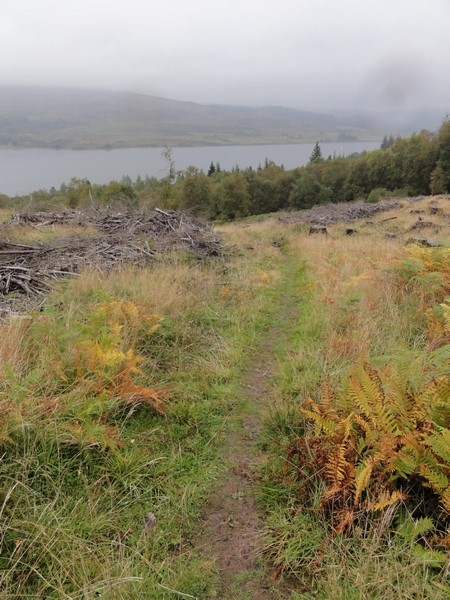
{"x": 117, "y": 397}
{"x": 357, "y": 486}
{"x": 113, "y": 402}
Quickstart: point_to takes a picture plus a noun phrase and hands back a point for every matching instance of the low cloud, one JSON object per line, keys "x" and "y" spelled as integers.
{"x": 313, "y": 54}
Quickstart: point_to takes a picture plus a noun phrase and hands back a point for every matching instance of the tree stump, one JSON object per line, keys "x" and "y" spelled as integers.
{"x": 423, "y": 242}
{"x": 318, "y": 229}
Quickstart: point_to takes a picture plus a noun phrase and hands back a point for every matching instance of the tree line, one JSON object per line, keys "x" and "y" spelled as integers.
{"x": 415, "y": 165}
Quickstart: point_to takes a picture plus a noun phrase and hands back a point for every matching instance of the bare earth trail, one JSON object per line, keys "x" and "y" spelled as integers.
{"x": 231, "y": 533}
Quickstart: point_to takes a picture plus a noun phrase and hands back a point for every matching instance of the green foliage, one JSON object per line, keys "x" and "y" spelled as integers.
{"x": 438, "y": 179}
{"x": 404, "y": 166}
{"x": 307, "y": 192}
{"x": 387, "y": 142}
{"x": 231, "y": 197}
{"x": 294, "y": 541}
{"x": 263, "y": 194}
{"x": 316, "y": 154}
{"x": 333, "y": 175}
{"x": 381, "y": 193}
{"x": 378, "y": 194}
{"x": 119, "y": 193}
{"x": 444, "y": 153}
{"x": 78, "y": 192}
{"x": 196, "y": 193}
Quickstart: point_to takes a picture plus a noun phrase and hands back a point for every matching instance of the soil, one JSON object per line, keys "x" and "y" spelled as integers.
{"x": 232, "y": 526}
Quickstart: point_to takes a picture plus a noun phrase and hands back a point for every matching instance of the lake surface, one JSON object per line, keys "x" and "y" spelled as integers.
{"x": 24, "y": 171}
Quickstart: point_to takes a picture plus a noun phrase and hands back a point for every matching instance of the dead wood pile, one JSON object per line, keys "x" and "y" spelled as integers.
{"x": 129, "y": 236}
{"x": 329, "y": 214}
{"x": 41, "y": 218}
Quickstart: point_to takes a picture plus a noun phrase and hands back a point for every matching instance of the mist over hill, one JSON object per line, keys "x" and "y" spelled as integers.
{"x": 75, "y": 118}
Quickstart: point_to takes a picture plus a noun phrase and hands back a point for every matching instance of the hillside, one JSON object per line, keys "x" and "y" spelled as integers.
{"x": 71, "y": 118}
{"x": 255, "y": 411}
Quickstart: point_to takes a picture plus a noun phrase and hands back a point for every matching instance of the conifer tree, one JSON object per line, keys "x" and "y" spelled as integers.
{"x": 316, "y": 154}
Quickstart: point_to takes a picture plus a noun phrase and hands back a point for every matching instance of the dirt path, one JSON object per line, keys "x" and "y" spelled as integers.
{"x": 232, "y": 528}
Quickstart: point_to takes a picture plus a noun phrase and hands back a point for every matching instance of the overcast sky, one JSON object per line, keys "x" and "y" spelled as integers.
{"x": 315, "y": 54}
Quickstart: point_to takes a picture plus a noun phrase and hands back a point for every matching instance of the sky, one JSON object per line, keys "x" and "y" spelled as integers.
{"x": 308, "y": 54}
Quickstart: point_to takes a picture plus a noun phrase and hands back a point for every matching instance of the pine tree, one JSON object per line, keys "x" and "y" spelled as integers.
{"x": 316, "y": 154}
{"x": 387, "y": 142}
{"x": 212, "y": 169}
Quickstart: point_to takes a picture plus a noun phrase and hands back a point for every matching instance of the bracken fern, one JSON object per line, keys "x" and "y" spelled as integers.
{"x": 374, "y": 442}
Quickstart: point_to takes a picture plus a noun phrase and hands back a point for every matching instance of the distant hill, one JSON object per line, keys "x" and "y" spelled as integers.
{"x": 72, "y": 118}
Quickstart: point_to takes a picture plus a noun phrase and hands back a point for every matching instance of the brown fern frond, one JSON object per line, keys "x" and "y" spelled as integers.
{"x": 436, "y": 478}
{"x": 445, "y": 499}
{"x": 152, "y": 397}
{"x": 385, "y": 499}
{"x": 345, "y": 519}
{"x": 326, "y": 398}
{"x": 446, "y": 317}
{"x": 373, "y": 382}
{"x": 365, "y": 426}
{"x": 331, "y": 492}
{"x": 345, "y": 427}
{"x": 336, "y": 465}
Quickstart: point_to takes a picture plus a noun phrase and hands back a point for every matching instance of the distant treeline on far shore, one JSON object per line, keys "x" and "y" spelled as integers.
{"x": 416, "y": 165}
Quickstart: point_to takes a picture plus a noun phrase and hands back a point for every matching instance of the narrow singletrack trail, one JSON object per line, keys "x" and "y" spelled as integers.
{"x": 231, "y": 531}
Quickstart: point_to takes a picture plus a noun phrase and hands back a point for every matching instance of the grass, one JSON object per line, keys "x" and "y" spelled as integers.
{"x": 84, "y": 463}
{"x": 351, "y": 305}
{"x": 74, "y": 504}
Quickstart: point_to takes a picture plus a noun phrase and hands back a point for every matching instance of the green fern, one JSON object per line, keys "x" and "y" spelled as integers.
{"x": 439, "y": 442}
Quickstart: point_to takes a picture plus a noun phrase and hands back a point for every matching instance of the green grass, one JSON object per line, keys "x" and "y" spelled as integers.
{"x": 374, "y": 561}
{"x": 73, "y": 503}
{"x": 72, "y": 517}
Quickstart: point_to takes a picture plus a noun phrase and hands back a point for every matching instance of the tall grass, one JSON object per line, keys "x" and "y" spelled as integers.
{"x": 85, "y": 455}
{"x": 365, "y": 298}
